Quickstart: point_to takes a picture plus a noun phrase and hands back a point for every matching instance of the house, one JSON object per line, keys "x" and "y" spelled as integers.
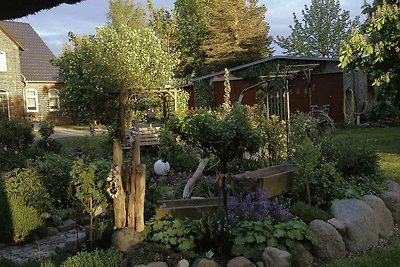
{"x": 292, "y": 84}
{"x": 29, "y": 83}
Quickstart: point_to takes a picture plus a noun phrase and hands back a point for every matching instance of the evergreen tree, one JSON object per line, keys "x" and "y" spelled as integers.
{"x": 320, "y": 33}
{"x": 127, "y": 12}
{"x": 237, "y": 32}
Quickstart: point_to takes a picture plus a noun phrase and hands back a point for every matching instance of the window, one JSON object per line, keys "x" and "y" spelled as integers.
{"x": 3, "y": 61}
{"x": 54, "y": 100}
{"x": 31, "y": 99}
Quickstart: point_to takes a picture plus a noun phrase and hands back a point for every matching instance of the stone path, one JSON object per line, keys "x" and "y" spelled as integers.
{"x": 68, "y": 241}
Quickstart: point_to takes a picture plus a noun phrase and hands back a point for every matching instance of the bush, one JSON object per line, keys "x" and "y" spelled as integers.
{"x": 49, "y": 145}
{"x": 15, "y": 139}
{"x": 308, "y": 213}
{"x": 27, "y": 186}
{"x": 351, "y": 157}
{"x": 54, "y": 170}
{"x": 146, "y": 252}
{"x": 46, "y": 129}
{"x": 97, "y": 258}
{"x": 25, "y": 219}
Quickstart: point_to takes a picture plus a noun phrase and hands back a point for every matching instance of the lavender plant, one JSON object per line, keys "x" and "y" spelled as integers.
{"x": 256, "y": 206}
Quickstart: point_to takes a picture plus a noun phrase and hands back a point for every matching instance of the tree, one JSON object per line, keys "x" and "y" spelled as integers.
{"x": 375, "y": 49}
{"x": 320, "y": 33}
{"x": 126, "y": 12}
{"x": 103, "y": 72}
{"x": 238, "y": 34}
{"x": 191, "y": 22}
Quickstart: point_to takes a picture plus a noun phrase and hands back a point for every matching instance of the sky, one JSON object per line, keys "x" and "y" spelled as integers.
{"x": 53, "y": 25}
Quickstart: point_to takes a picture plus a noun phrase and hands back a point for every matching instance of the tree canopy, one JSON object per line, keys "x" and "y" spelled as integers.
{"x": 126, "y": 12}
{"x": 237, "y": 33}
{"x": 375, "y": 47}
{"x": 320, "y": 32}
{"x": 103, "y": 72}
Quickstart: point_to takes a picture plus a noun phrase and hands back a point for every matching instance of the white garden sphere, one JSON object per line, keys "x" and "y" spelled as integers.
{"x": 161, "y": 167}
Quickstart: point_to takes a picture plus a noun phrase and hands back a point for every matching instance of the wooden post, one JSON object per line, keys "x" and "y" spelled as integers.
{"x": 134, "y": 173}
{"x": 140, "y": 185}
{"x": 119, "y": 200}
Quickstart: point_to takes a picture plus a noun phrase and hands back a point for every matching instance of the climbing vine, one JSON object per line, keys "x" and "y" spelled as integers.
{"x": 203, "y": 94}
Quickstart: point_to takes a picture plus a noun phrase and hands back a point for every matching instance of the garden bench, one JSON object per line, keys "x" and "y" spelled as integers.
{"x": 149, "y": 136}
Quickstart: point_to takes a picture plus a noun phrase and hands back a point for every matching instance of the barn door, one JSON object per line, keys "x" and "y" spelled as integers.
{"x": 4, "y": 114}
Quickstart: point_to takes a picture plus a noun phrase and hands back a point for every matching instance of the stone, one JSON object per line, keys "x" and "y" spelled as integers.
{"x": 202, "y": 262}
{"x": 392, "y": 202}
{"x": 182, "y": 263}
{"x": 338, "y": 225}
{"x": 392, "y": 186}
{"x": 45, "y": 216}
{"x": 384, "y": 218}
{"x": 83, "y": 220}
{"x": 331, "y": 245}
{"x": 157, "y": 264}
{"x": 67, "y": 225}
{"x": 362, "y": 232}
{"x": 50, "y": 231}
{"x": 260, "y": 264}
{"x": 306, "y": 258}
{"x": 240, "y": 262}
{"x": 125, "y": 238}
{"x": 273, "y": 257}
{"x": 125, "y": 263}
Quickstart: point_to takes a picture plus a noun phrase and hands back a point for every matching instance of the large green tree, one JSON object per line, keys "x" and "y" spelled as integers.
{"x": 238, "y": 34}
{"x": 320, "y": 32}
{"x": 103, "y": 73}
{"x": 127, "y": 12}
{"x": 191, "y": 21}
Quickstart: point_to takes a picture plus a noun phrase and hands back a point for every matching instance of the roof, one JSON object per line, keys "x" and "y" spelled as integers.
{"x": 264, "y": 60}
{"x": 35, "y": 59}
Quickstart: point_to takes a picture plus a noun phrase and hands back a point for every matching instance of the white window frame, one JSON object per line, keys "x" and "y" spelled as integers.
{"x": 3, "y": 61}
{"x": 4, "y": 92}
{"x": 35, "y": 98}
{"x": 55, "y": 96}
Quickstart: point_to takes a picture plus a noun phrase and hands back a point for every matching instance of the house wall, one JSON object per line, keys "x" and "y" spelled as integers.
{"x": 11, "y": 81}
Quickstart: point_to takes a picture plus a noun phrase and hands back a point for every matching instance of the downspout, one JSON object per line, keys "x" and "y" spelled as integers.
{"x": 25, "y": 82}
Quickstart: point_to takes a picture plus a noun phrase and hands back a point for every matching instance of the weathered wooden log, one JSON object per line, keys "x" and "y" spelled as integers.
{"x": 119, "y": 200}
{"x": 134, "y": 165}
{"x": 187, "y": 191}
{"x": 140, "y": 186}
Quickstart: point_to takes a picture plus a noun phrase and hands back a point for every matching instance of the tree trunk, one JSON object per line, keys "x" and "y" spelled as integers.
{"x": 134, "y": 175}
{"x": 140, "y": 185}
{"x": 192, "y": 181}
{"x": 119, "y": 200}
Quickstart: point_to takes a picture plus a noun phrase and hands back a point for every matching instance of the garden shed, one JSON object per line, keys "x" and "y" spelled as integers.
{"x": 308, "y": 81}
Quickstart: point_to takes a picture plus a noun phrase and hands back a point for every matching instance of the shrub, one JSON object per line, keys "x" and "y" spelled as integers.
{"x": 250, "y": 238}
{"x": 308, "y": 213}
{"x": 49, "y": 145}
{"x": 27, "y": 185}
{"x": 146, "y": 252}
{"x": 46, "y": 129}
{"x": 54, "y": 170}
{"x": 351, "y": 157}
{"x": 25, "y": 219}
{"x": 206, "y": 186}
{"x": 97, "y": 258}
{"x": 174, "y": 233}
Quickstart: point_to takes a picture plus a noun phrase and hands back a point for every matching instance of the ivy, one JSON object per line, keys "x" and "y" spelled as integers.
{"x": 203, "y": 94}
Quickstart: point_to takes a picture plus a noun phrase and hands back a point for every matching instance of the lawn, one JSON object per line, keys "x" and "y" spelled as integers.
{"x": 385, "y": 140}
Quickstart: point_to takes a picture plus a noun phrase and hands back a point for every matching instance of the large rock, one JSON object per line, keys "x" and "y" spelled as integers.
{"x": 383, "y": 216}
{"x": 202, "y": 262}
{"x": 183, "y": 263}
{"x": 67, "y": 225}
{"x": 125, "y": 238}
{"x": 392, "y": 202}
{"x": 240, "y": 262}
{"x": 362, "y": 232}
{"x": 331, "y": 245}
{"x": 273, "y": 257}
{"x": 392, "y": 186}
{"x": 340, "y": 226}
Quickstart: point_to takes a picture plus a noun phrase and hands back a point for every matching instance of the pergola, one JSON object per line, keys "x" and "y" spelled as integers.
{"x": 13, "y": 9}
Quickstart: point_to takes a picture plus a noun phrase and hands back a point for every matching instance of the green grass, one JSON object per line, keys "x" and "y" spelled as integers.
{"x": 385, "y": 140}
{"x": 387, "y": 257}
